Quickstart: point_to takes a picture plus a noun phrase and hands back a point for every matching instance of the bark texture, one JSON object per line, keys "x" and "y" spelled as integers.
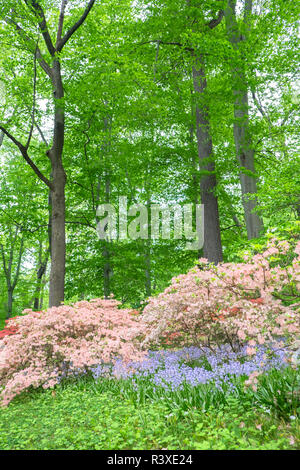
{"x": 242, "y": 136}
{"x": 212, "y": 248}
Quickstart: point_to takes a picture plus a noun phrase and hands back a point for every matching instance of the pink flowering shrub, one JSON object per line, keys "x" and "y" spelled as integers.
{"x": 8, "y": 330}
{"x": 80, "y": 336}
{"x": 11, "y": 330}
{"x": 236, "y": 303}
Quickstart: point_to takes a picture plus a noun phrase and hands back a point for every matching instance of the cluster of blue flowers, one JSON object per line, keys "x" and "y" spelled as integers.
{"x": 192, "y": 366}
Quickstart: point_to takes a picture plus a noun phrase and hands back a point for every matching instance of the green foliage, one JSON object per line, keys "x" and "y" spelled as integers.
{"x": 289, "y": 231}
{"x": 279, "y": 392}
{"x": 82, "y": 416}
{"x": 130, "y": 130}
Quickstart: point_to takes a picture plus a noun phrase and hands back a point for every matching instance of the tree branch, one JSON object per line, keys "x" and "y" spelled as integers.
{"x": 86, "y": 224}
{"x": 40, "y": 15}
{"x": 32, "y": 47}
{"x": 61, "y": 21}
{"x": 33, "y": 103}
{"x": 18, "y": 265}
{"x": 35, "y": 122}
{"x": 159, "y": 41}
{"x": 213, "y": 23}
{"x": 4, "y": 261}
{"x": 11, "y": 252}
{"x": 259, "y": 106}
{"x": 62, "y": 42}
{"x": 26, "y": 157}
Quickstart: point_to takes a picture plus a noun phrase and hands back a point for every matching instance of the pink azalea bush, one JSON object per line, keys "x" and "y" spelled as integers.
{"x": 8, "y": 330}
{"x": 229, "y": 303}
{"x": 78, "y": 336}
{"x": 233, "y": 303}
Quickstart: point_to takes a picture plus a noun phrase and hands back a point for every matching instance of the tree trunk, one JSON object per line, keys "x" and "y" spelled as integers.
{"x": 57, "y": 180}
{"x": 297, "y": 210}
{"x": 42, "y": 266}
{"x": 147, "y": 256}
{"x": 9, "y": 303}
{"x": 148, "y": 288}
{"x": 107, "y": 270}
{"x": 39, "y": 276}
{"x": 58, "y": 243}
{"x": 11, "y": 281}
{"x": 42, "y": 294}
{"x": 242, "y": 136}
{"x": 194, "y": 161}
{"x": 212, "y": 248}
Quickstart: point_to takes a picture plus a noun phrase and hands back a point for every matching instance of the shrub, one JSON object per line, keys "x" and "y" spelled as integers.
{"x": 228, "y": 303}
{"x": 8, "y": 330}
{"x": 48, "y": 344}
{"x": 237, "y": 304}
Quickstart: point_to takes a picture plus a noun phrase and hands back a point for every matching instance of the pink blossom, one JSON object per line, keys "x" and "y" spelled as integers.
{"x": 83, "y": 334}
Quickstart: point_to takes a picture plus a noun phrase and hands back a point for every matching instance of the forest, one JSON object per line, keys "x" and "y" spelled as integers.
{"x": 150, "y": 222}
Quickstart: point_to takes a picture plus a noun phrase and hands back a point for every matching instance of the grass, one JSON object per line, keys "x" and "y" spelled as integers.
{"x": 85, "y": 415}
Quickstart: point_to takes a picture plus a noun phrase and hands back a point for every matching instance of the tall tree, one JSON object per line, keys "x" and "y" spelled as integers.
{"x": 212, "y": 236}
{"x": 57, "y": 180}
{"x": 242, "y": 134}
{"x": 11, "y": 261}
